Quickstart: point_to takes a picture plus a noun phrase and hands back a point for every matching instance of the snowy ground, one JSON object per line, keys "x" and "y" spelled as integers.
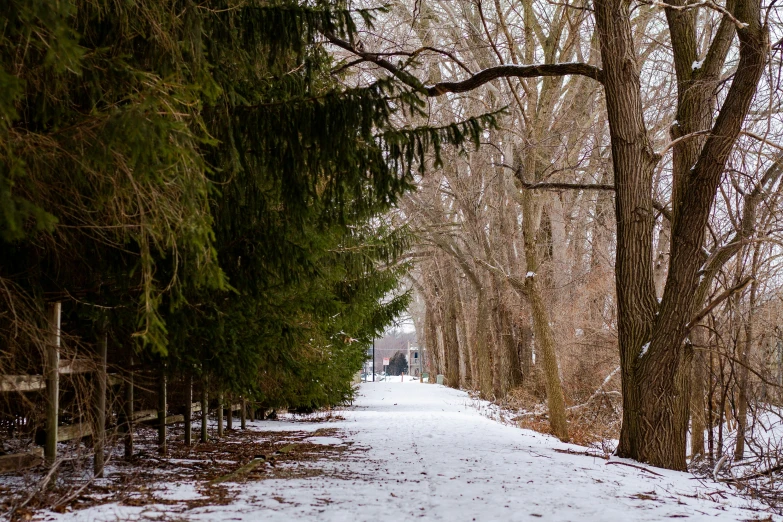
{"x": 431, "y": 455}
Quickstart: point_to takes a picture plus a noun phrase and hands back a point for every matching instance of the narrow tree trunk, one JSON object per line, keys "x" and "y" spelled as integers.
{"x": 468, "y": 356}
{"x": 742, "y": 372}
{"x": 451, "y": 341}
{"x": 204, "y": 411}
{"x": 243, "y": 413}
{"x": 495, "y": 343}
{"x": 710, "y": 409}
{"x": 220, "y": 414}
{"x": 483, "y": 349}
{"x": 230, "y": 413}
{"x": 545, "y": 341}
{"x": 662, "y": 257}
{"x": 513, "y": 369}
{"x": 526, "y": 354}
{"x": 698, "y": 392}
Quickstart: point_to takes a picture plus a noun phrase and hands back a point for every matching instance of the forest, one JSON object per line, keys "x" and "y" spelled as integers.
{"x": 219, "y": 203}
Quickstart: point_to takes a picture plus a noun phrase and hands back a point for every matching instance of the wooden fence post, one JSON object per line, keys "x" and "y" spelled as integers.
{"x": 188, "y": 409}
{"x": 99, "y": 432}
{"x": 230, "y": 418}
{"x": 220, "y": 414}
{"x": 204, "y": 411}
{"x": 243, "y": 413}
{"x": 52, "y": 362}
{"x": 162, "y": 413}
{"x": 128, "y": 409}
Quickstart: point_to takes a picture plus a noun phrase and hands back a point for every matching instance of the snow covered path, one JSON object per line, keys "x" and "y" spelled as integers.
{"x": 432, "y": 456}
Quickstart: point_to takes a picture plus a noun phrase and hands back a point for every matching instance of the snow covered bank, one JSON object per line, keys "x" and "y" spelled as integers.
{"x": 431, "y": 456}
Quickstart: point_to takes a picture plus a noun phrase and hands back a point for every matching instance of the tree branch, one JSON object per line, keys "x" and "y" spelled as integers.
{"x": 663, "y": 209}
{"x": 705, "y": 3}
{"x": 516, "y": 283}
{"x": 565, "y": 186}
{"x": 718, "y": 300}
{"x": 546, "y": 185}
{"x": 478, "y": 79}
{"x": 672, "y": 143}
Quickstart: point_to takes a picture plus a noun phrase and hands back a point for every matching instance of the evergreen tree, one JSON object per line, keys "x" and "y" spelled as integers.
{"x": 398, "y": 364}
{"x": 198, "y": 176}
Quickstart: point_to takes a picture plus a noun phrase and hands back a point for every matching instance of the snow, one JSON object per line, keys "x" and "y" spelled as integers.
{"x": 530, "y": 274}
{"x": 432, "y": 455}
{"x": 327, "y": 441}
{"x": 697, "y": 64}
{"x": 644, "y": 350}
{"x": 178, "y": 491}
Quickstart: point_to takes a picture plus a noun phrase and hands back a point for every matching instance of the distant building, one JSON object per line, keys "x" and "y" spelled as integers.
{"x": 391, "y": 343}
{"x": 414, "y": 361}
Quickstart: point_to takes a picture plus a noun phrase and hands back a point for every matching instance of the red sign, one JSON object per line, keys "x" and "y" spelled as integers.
{"x": 386, "y": 361}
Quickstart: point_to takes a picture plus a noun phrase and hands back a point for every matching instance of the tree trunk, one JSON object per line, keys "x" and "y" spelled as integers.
{"x": 450, "y": 337}
{"x": 220, "y": 414}
{"x": 655, "y": 362}
{"x": 742, "y": 372}
{"x": 204, "y": 410}
{"x": 512, "y": 367}
{"x": 483, "y": 349}
{"x": 545, "y": 341}
{"x": 526, "y": 353}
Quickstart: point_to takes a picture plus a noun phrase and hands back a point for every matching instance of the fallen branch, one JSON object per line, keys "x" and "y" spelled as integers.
{"x": 634, "y": 466}
{"x": 585, "y": 453}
